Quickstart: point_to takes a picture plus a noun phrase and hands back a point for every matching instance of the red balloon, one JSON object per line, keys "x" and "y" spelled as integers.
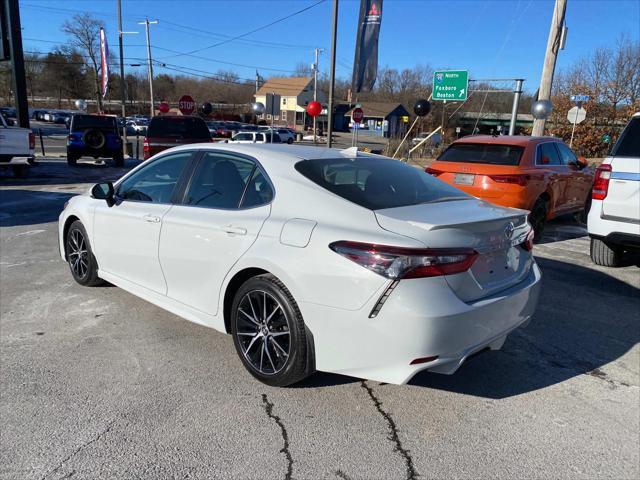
{"x": 163, "y": 107}
{"x": 314, "y": 108}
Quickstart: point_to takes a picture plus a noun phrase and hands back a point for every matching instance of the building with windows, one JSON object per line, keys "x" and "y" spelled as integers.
{"x": 293, "y": 94}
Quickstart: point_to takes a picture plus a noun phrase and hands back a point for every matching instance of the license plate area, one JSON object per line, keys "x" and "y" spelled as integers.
{"x": 464, "y": 178}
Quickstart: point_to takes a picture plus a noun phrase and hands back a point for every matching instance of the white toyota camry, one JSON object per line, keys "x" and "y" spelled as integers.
{"x": 311, "y": 258}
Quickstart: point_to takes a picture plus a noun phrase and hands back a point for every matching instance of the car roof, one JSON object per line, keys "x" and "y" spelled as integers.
{"x": 275, "y": 157}
{"x": 515, "y": 140}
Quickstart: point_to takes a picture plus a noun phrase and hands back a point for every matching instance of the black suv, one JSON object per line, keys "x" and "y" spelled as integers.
{"x": 95, "y": 136}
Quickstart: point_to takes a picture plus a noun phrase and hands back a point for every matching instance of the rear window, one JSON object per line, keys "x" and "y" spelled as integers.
{"x": 93, "y": 121}
{"x": 377, "y": 183}
{"x": 628, "y": 145}
{"x": 482, "y": 153}
{"x": 178, "y": 127}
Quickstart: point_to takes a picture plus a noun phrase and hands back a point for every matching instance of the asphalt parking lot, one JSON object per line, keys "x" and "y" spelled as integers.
{"x": 96, "y": 383}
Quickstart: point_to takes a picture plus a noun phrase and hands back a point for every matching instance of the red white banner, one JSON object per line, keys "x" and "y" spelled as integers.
{"x": 104, "y": 62}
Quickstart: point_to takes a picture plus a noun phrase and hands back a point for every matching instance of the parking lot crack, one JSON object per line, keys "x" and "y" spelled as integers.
{"x": 268, "y": 408}
{"x": 393, "y": 433}
{"x": 91, "y": 441}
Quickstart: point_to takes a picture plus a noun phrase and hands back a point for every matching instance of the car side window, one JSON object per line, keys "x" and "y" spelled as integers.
{"x": 156, "y": 182}
{"x": 259, "y": 137}
{"x": 566, "y": 154}
{"x": 219, "y": 181}
{"x": 547, "y": 155}
{"x": 259, "y": 191}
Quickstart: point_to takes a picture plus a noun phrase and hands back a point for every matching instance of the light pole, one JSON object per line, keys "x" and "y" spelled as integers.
{"x": 122, "y": 82}
{"x": 514, "y": 109}
{"x": 146, "y": 23}
{"x": 315, "y": 87}
{"x": 332, "y": 80}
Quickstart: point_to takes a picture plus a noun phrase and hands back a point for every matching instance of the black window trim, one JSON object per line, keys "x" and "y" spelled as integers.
{"x": 257, "y": 166}
{"x": 143, "y": 166}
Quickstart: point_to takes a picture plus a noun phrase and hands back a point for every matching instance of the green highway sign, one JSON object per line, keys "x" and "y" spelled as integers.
{"x": 450, "y": 85}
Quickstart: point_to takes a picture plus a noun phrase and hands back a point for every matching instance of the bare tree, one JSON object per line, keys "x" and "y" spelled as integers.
{"x": 84, "y": 31}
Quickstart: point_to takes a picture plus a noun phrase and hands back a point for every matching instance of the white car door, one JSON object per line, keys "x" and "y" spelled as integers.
{"x": 126, "y": 235}
{"x": 225, "y": 205}
{"x": 12, "y": 140}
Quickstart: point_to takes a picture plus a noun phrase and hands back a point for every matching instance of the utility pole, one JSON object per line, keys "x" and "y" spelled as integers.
{"x": 257, "y": 82}
{"x": 10, "y": 11}
{"x": 146, "y": 23}
{"x": 315, "y": 87}
{"x": 122, "y": 82}
{"x": 554, "y": 44}
{"x": 332, "y": 74}
{"x": 516, "y": 102}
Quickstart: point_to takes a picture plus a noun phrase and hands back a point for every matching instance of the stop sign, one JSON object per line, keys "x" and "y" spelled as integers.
{"x": 186, "y": 104}
{"x": 357, "y": 115}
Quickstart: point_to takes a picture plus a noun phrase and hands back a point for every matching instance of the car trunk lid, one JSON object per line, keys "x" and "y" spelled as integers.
{"x": 496, "y": 233}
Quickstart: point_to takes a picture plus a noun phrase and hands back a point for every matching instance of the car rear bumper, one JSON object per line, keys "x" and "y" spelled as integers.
{"x": 422, "y": 318}
{"x": 611, "y": 229}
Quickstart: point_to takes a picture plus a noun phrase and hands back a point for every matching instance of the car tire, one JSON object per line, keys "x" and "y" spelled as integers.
{"x": 603, "y": 254}
{"x": 290, "y": 140}
{"x": 82, "y": 262}
{"x": 20, "y": 171}
{"x": 72, "y": 159}
{"x": 538, "y": 217}
{"x": 269, "y": 333}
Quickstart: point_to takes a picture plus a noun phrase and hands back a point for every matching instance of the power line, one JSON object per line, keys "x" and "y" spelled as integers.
{"x": 251, "y": 31}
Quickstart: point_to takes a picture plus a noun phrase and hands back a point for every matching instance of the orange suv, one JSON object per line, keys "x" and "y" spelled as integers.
{"x": 539, "y": 174}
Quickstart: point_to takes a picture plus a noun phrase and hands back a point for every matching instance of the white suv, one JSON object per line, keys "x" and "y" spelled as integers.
{"x": 614, "y": 218}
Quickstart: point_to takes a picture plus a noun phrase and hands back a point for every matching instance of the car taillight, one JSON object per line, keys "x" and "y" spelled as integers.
{"x": 433, "y": 171}
{"x": 400, "y": 262}
{"x": 517, "y": 179}
{"x": 528, "y": 243}
{"x": 71, "y": 137}
{"x": 601, "y": 182}
{"x": 146, "y": 150}
{"x": 32, "y": 141}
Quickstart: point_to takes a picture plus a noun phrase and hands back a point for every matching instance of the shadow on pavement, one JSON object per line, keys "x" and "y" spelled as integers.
{"x": 585, "y": 320}
{"x": 29, "y": 207}
{"x": 57, "y": 172}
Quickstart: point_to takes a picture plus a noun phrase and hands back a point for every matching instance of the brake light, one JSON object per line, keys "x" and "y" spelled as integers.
{"x": 146, "y": 150}
{"x": 517, "y": 179}
{"x": 433, "y": 171}
{"x": 601, "y": 182}
{"x": 528, "y": 243}
{"x": 400, "y": 262}
{"x": 32, "y": 141}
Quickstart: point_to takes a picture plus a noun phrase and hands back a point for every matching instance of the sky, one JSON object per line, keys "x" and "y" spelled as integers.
{"x": 492, "y": 39}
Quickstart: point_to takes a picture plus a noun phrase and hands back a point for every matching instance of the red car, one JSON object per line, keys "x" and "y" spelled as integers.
{"x": 168, "y": 131}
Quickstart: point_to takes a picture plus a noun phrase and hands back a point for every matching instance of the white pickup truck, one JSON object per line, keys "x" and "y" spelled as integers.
{"x": 17, "y": 146}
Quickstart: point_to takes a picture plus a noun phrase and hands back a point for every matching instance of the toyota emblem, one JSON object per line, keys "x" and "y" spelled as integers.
{"x": 508, "y": 230}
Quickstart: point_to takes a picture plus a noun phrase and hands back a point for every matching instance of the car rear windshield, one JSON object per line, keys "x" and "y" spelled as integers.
{"x": 178, "y": 127}
{"x": 628, "y": 145}
{"x": 93, "y": 121}
{"x": 482, "y": 153}
{"x": 377, "y": 182}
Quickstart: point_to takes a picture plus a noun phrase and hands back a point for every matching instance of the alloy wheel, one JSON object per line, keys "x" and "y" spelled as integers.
{"x": 263, "y": 332}
{"x": 78, "y": 253}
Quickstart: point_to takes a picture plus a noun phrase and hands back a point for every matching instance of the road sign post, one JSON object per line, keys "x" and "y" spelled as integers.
{"x": 450, "y": 85}
{"x": 576, "y": 115}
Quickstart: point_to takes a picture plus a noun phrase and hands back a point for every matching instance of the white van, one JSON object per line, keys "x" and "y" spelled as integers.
{"x": 614, "y": 218}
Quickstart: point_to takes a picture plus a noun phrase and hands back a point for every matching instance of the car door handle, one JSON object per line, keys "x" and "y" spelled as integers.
{"x": 151, "y": 218}
{"x": 234, "y": 229}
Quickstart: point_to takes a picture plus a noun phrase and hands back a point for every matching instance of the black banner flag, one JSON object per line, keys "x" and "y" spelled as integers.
{"x": 365, "y": 64}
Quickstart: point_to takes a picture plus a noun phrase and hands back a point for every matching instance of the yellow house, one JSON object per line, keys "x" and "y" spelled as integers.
{"x": 295, "y": 93}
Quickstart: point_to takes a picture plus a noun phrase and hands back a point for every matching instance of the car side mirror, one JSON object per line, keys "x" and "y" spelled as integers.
{"x": 104, "y": 191}
{"x": 582, "y": 162}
